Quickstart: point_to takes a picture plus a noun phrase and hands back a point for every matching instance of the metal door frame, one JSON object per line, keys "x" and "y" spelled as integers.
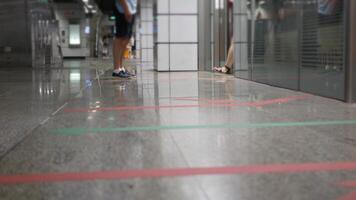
{"x": 220, "y": 31}
{"x": 350, "y": 52}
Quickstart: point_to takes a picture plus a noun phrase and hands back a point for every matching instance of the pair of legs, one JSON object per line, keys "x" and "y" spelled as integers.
{"x": 124, "y": 32}
{"x": 120, "y": 44}
{"x": 229, "y": 61}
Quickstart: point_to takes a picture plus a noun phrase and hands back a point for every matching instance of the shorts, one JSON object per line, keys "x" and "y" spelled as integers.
{"x": 124, "y": 29}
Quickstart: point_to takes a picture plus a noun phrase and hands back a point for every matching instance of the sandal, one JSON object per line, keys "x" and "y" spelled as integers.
{"x": 224, "y": 69}
{"x": 217, "y": 69}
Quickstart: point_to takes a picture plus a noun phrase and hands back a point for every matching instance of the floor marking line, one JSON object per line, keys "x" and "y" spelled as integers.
{"x": 351, "y": 196}
{"x": 176, "y": 172}
{"x": 59, "y": 109}
{"x": 207, "y": 100}
{"x": 211, "y": 104}
{"x": 45, "y": 121}
{"x": 80, "y": 131}
{"x": 347, "y": 184}
{"x": 152, "y": 99}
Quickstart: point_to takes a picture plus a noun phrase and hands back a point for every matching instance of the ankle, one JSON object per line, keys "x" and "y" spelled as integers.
{"x": 225, "y": 69}
{"x": 117, "y": 70}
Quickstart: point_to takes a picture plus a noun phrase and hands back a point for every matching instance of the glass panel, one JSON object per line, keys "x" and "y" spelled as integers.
{"x": 322, "y": 66}
{"x": 293, "y": 44}
{"x": 275, "y": 47}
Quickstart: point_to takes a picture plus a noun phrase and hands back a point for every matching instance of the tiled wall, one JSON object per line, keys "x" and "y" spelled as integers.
{"x": 177, "y": 35}
{"x": 146, "y": 34}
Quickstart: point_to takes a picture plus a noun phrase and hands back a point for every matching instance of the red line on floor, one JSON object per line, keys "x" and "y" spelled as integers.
{"x": 351, "y": 196}
{"x": 247, "y": 104}
{"x": 175, "y": 172}
{"x": 347, "y": 184}
{"x": 274, "y": 101}
{"x": 154, "y": 98}
{"x": 207, "y": 100}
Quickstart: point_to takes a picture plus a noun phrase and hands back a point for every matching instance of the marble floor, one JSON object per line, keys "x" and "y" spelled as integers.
{"x": 76, "y": 133}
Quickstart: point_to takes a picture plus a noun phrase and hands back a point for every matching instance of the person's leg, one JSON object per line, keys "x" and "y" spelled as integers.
{"x": 117, "y": 53}
{"x": 230, "y": 57}
{"x": 123, "y": 45}
{"x": 120, "y": 44}
{"x": 119, "y": 49}
{"x": 229, "y": 61}
{"x": 126, "y": 41}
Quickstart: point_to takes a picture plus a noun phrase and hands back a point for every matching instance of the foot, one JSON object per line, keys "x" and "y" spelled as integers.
{"x": 120, "y": 74}
{"x": 217, "y": 69}
{"x": 128, "y": 73}
{"x": 224, "y": 69}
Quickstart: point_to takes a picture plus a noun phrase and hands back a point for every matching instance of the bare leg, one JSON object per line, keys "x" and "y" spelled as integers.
{"x": 229, "y": 61}
{"x": 123, "y": 46}
{"x": 117, "y": 53}
{"x": 119, "y": 47}
{"x": 230, "y": 57}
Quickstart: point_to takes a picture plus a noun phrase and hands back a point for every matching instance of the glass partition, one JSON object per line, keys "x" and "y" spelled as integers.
{"x": 276, "y": 46}
{"x": 322, "y": 48}
{"x": 296, "y": 44}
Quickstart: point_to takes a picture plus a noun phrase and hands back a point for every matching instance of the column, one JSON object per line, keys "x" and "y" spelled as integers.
{"x": 146, "y": 34}
{"x": 177, "y": 35}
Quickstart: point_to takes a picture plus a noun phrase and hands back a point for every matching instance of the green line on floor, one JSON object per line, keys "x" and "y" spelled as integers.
{"x": 81, "y": 131}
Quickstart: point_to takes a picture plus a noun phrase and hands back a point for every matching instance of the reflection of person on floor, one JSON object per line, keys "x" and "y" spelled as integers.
{"x": 105, "y": 44}
{"x": 226, "y": 69}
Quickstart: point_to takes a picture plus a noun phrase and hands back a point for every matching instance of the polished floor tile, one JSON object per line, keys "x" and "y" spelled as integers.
{"x": 77, "y": 133}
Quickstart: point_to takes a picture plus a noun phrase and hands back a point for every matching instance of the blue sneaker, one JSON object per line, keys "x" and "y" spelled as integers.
{"x": 121, "y": 74}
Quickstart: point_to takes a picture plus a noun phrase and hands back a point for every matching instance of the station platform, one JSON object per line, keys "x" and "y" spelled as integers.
{"x": 77, "y": 133}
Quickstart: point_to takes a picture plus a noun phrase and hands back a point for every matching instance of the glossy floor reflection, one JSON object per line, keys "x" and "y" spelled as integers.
{"x": 76, "y": 133}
